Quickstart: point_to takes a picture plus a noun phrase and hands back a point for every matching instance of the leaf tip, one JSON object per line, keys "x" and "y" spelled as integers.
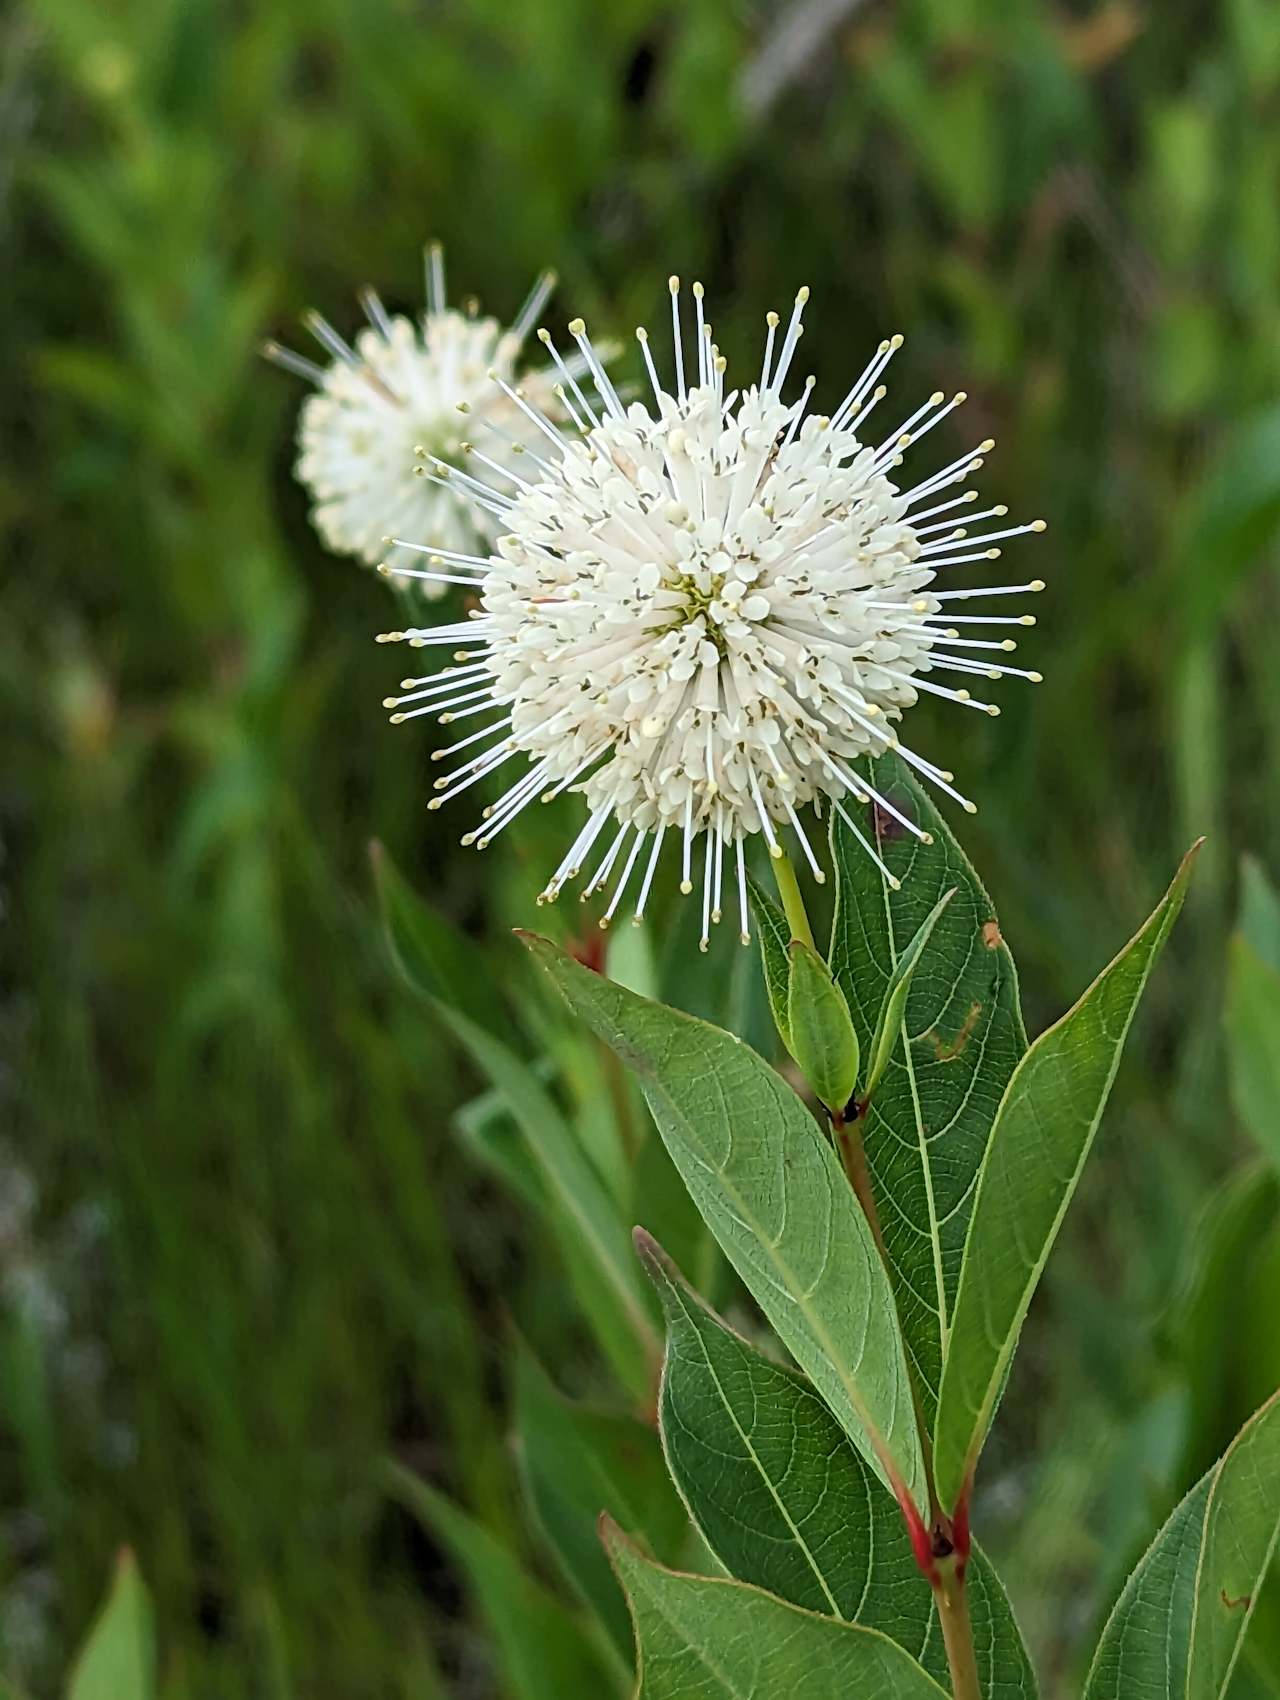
{"x": 615, "y": 1543}
{"x": 659, "y": 1266}
{"x": 1188, "y": 862}
{"x": 647, "y": 1248}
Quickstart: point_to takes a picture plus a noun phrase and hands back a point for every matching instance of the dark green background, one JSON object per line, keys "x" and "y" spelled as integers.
{"x": 241, "y": 1255}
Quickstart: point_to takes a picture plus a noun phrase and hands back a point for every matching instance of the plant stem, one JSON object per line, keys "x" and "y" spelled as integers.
{"x": 854, "y": 1158}
{"x": 957, "y": 1631}
{"x": 792, "y": 900}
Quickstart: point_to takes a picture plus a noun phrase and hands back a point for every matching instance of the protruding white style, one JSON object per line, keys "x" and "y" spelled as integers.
{"x": 381, "y": 441}
{"x": 702, "y": 610}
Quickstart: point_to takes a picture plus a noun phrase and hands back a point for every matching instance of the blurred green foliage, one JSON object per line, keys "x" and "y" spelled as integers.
{"x": 241, "y": 1252}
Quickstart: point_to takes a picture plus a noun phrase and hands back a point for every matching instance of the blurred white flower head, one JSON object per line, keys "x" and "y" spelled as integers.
{"x": 702, "y": 610}
{"x": 404, "y": 390}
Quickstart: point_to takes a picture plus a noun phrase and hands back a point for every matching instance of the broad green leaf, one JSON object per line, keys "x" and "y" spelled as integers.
{"x": 1253, "y": 1043}
{"x": 774, "y": 935}
{"x": 718, "y": 1640}
{"x": 823, "y": 1041}
{"x": 785, "y": 1501}
{"x": 545, "y": 1654}
{"x": 888, "y": 1032}
{"x": 577, "y": 1463}
{"x": 1177, "y": 1630}
{"x": 1042, "y": 1135}
{"x": 117, "y": 1661}
{"x": 927, "y": 1128}
{"x": 431, "y": 957}
{"x": 774, "y": 1195}
{"x": 1241, "y": 1527}
{"x": 598, "y": 1241}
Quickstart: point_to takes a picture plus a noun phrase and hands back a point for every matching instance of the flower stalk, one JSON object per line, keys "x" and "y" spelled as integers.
{"x": 792, "y": 899}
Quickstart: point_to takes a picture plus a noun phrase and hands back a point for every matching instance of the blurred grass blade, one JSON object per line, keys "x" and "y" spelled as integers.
{"x": 490, "y": 1132}
{"x": 578, "y": 1462}
{"x": 545, "y": 1654}
{"x": 889, "y": 1027}
{"x": 1260, "y": 911}
{"x": 1225, "y": 1262}
{"x": 726, "y": 1641}
{"x": 1179, "y": 1626}
{"x": 775, "y": 1197}
{"x": 785, "y": 1501}
{"x": 117, "y": 1662}
{"x": 1043, "y": 1133}
{"x": 612, "y": 1291}
{"x": 1253, "y": 1043}
{"x": 961, "y": 1036}
{"x": 432, "y": 957}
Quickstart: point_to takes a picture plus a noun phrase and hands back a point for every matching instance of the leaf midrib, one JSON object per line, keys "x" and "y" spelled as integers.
{"x": 1218, "y": 1474}
{"x": 884, "y": 1457}
{"x": 935, "y": 1241}
{"x": 761, "y": 1472}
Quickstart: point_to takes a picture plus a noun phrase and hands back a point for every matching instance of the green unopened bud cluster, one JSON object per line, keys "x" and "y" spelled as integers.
{"x": 820, "y": 1034}
{"x": 811, "y": 1012}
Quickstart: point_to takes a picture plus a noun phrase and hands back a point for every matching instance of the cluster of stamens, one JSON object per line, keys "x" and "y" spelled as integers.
{"x": 700, "y": 613}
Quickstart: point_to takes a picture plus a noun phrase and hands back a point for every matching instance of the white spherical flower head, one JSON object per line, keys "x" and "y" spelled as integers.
{"x": 389, "y": 419}
{"x": 702, "y": 611}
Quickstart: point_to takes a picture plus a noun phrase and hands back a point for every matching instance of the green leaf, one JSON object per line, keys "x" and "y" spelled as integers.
{"x": 823, "y": 1041}
{"x": 774, "y": 935}
{"x": 1253, "y": 1043}
{"x": 773, "y": 1193}
{"x": 431, "y": 957}
{"x": 576, "y": 1463}
{"x": 926, "y": 1131}
{"x": 543, "y": 1651}
{"x": 1220, "y": 1259}
{"x": 488, "y": 1129}
{"x": 1241, "y": 1527}
{"x": 590, "y": 1222}
{"x": 785, "y": 1501}
{"x": 888, "y": 1033}
{"x": 726, "y": 1641}
{"x": 1042, "y": 1135}
{"x": 117, "y": 1661}
{"x": 1259, "y": 911}
{"x": 1178, "y": 1627}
